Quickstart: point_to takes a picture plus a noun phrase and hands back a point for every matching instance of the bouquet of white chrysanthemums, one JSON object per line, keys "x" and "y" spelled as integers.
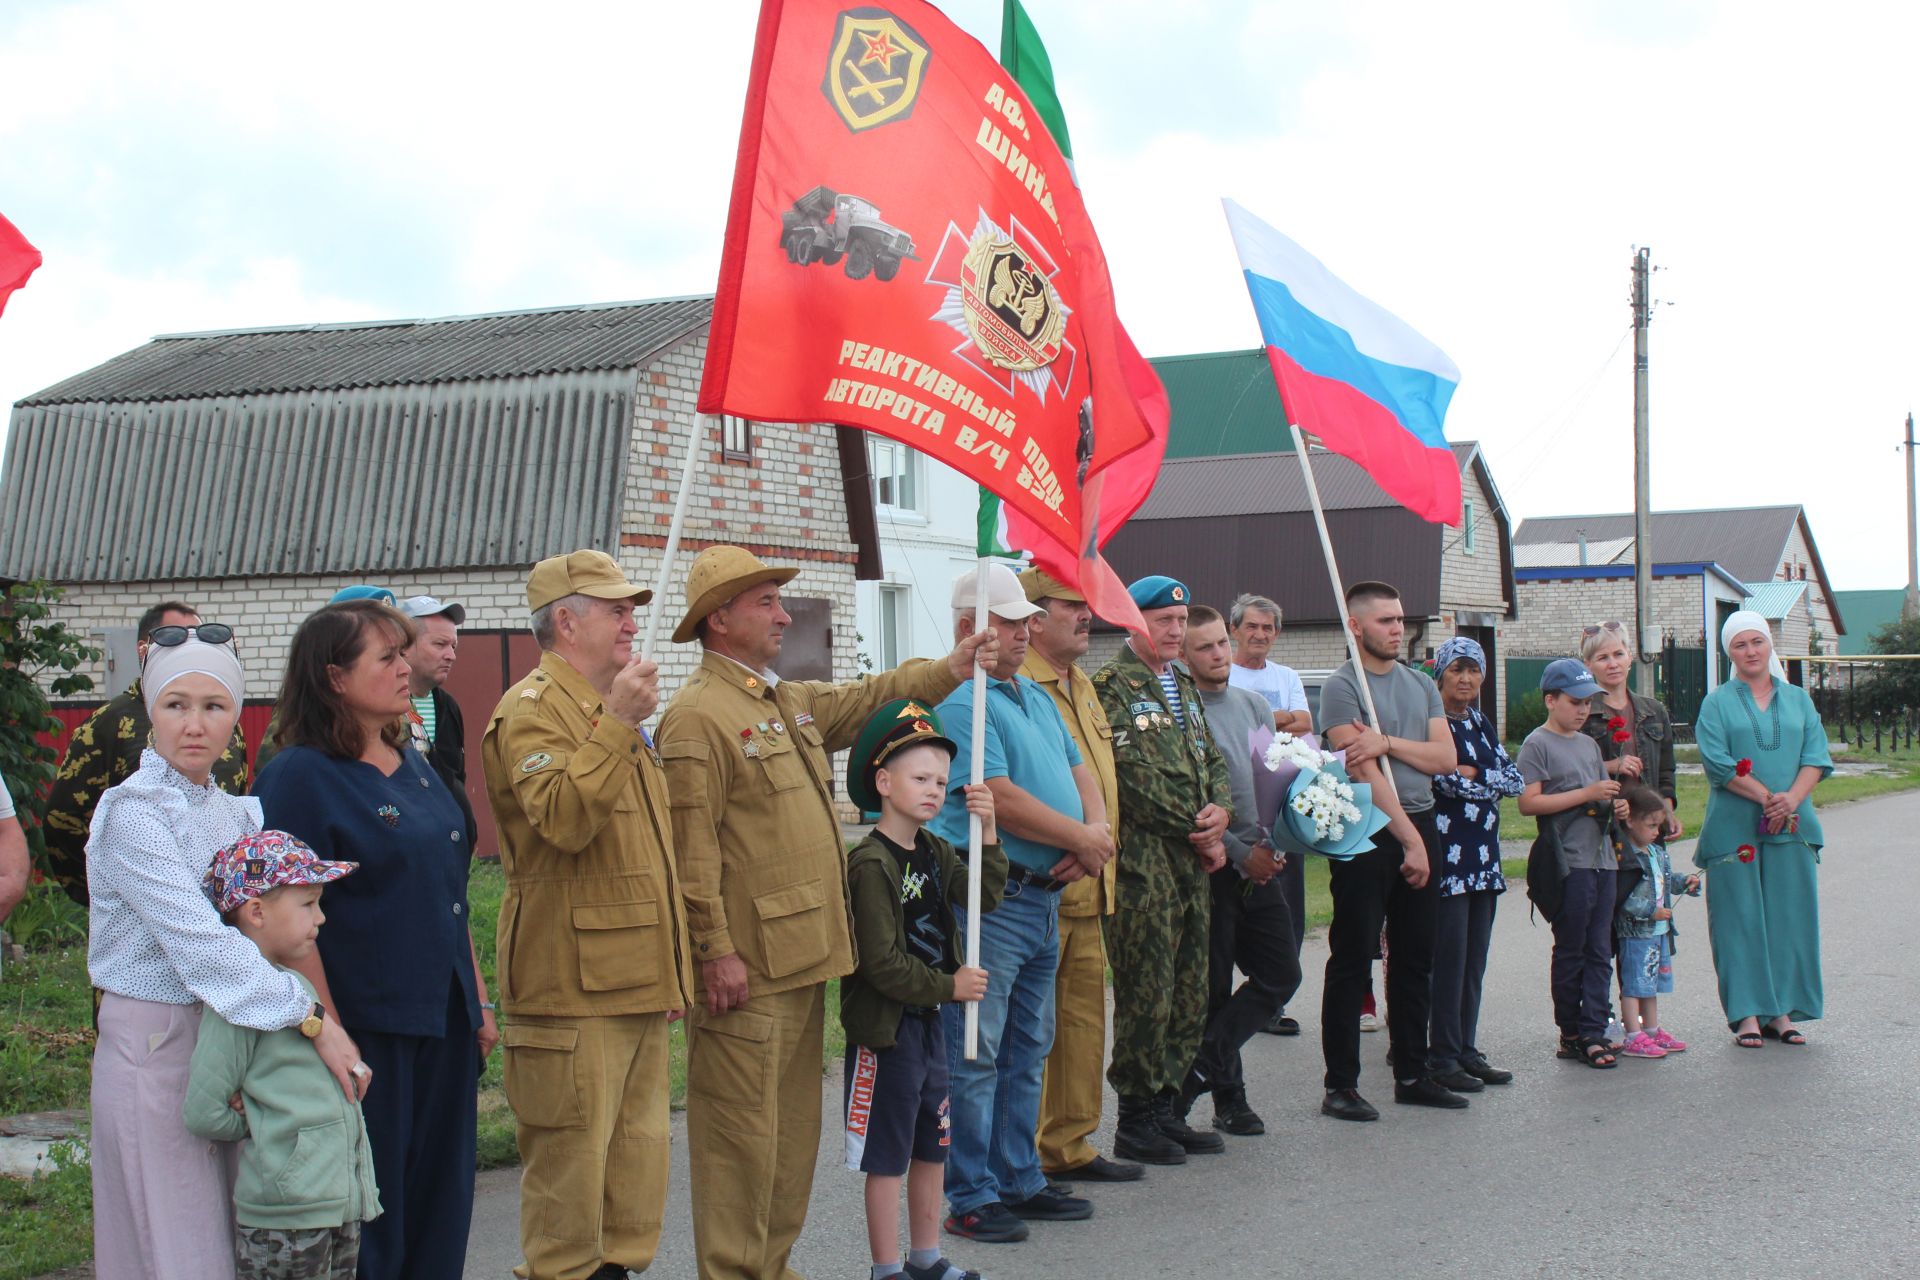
{"x": 1306, "y": 799}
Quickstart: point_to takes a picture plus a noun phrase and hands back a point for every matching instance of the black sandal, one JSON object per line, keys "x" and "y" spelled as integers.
{"x": 1791, "y": 1036}
{"x": 1748, "y": 1039}
{"x": 1595, "y": 1052}
{"x": 1569, "y": 1049}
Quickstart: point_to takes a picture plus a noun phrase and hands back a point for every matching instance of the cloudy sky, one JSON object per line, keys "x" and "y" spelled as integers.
{"x": 1483, "y": 170}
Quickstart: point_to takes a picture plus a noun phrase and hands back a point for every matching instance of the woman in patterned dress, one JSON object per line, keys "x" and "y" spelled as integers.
{"x": 163, "y": 1199}
{"x": 1467, "y": 879}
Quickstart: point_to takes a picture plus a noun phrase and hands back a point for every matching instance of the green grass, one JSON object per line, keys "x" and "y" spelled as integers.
{"x": 46, "y": 1032}
{"x": 46, "y": 1222}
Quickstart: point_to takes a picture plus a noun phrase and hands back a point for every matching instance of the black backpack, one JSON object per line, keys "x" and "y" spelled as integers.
{"x": 1547, "y": 860}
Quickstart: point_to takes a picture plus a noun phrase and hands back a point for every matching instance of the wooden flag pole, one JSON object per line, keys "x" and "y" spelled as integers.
{"x": 688, "y": 467}
{"x": 971, "y": 1048}
{"x": 1333, "y": 572}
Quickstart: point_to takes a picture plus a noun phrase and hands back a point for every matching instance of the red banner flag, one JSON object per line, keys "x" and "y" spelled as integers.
{"x": 907, "y": 253}
{"x": 18, "y": 260}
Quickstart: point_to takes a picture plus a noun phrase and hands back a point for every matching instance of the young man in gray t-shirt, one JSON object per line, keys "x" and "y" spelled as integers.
{"x": 1252, "y": 925}
{"x": 1388, "y": 883}
{"x": 1568, "y": 786}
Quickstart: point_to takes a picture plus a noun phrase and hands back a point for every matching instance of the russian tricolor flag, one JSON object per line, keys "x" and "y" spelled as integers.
{"x": 1351, "y": 373}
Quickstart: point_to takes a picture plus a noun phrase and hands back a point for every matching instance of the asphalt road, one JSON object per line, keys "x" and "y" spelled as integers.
{"x": 1719, "y": 1161}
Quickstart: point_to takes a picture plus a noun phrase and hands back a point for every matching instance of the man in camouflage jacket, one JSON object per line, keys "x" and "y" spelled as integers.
{"x": 1171, "y": 827}
{"x": 105, "y": 750}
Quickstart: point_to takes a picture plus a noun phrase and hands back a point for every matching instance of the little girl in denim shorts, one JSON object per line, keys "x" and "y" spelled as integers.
{"x": 1643, "y": 925}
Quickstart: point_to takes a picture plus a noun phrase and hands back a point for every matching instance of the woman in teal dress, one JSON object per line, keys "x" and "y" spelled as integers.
{"x": 1764, "y": 749}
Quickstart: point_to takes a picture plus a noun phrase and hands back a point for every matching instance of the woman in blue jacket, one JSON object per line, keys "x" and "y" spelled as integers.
{"x": 396, "y": 963}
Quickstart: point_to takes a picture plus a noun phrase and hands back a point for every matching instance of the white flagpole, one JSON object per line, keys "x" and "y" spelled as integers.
{"x": 688, "y": 467}
{"x": 971, "y": 1049}
{"x": 1333, "y": 571}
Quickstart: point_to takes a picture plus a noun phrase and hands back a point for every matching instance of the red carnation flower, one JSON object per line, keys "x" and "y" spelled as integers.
{"x": 1617, "y": 723}
{"x": 1742, "y": 768}
{"x": 1621, "y": 735}
{"x": 1748, "y": 853}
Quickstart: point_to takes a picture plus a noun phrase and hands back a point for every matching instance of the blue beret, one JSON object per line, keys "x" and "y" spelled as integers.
{"x": 1158, "y": 592}
{"x": 363, "y": 592}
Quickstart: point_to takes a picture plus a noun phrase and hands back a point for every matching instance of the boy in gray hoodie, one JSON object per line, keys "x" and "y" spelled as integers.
{"x": 306, "y": 1179}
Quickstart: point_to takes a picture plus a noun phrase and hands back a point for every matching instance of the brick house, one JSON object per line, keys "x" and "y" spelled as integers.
{"x": 253, "y": 473}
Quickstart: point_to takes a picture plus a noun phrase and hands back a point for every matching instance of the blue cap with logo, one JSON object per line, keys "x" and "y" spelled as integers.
{"x": 1568, "y": 676}
{"x": 1159, "y": 592}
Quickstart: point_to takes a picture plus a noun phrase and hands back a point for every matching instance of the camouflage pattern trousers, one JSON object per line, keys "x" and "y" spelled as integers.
{"x": 1157, "y": 943}
{"x": 274, "y": 1253}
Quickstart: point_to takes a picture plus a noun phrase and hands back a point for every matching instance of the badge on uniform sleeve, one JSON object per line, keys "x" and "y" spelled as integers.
{"x": 1140, "y": 722}
{"x": 535, "y": 762}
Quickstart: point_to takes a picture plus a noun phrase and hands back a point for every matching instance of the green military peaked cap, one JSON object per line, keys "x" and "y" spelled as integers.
{"x": 901, "y": 723}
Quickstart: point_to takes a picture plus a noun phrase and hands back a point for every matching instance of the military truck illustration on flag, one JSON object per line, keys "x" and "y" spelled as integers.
{"x": 824, "y": 226}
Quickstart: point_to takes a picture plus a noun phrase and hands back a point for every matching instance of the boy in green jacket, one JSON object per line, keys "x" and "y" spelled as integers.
{"x": 903, "y": 880}
{"x": 306, "y": 1179}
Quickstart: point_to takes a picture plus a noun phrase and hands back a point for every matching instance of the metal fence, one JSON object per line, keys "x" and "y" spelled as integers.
{"x": 1870, "y": 702}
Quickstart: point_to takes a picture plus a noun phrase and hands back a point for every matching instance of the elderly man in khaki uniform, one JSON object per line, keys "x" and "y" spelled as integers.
{"x": 764, "y": 869}
{"x": 594, "y": 960}
{"x": 1070, "y": 1096}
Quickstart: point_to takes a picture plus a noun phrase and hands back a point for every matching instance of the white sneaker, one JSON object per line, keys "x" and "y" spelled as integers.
{"x": 1369, "y": 1023}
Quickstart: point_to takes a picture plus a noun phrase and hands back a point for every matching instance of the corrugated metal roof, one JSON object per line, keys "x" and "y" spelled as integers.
{"x": 386, "y": 353}
{"x": 1867, "y": 611}
{"x": 1774, "y": 600}
{"x": 1555, "y": 555}
{"x": 1747, "y": 540}
{"x": 365, "y": 480}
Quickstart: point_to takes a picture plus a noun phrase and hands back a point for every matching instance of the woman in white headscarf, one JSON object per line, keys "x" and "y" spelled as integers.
{"x": 1764, "y": 750}
{"x": 163, "y": 1199}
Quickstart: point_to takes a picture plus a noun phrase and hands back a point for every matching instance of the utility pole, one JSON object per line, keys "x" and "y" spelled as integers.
{"x": 1911, "y": 609}
{"x": 1642, "y": 515}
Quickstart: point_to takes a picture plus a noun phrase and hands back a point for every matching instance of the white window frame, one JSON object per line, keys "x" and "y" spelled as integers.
{"x": 893, "y": 643}
{"x": 736, "y": 439}
{"x": 1466, "y": 520}
{"x": 900, "y": 464}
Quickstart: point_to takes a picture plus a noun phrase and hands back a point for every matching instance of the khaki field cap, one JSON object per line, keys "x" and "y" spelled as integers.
{"x": 586, "y": 573}
{"x": 1041, "y": 585}
{"x": 718, "y": 575}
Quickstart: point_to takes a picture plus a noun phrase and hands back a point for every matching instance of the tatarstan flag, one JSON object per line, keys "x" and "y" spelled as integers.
{"x": 907, "y": 253}
{"x": 18, "y": 260}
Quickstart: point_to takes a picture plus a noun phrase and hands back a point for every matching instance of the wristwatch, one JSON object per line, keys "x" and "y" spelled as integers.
{"x": 310, "y": 1025}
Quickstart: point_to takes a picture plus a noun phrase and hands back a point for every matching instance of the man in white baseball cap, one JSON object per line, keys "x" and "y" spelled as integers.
{"x": 438, "y": 727}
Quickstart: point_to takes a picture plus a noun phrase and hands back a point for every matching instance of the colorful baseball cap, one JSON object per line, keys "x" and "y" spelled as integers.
{"x": 265, "y": 860}
{"x": 1159, "y": 592}
{"x": 904, "y": 722}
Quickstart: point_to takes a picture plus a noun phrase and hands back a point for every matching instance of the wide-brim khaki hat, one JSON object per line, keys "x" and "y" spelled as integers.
{"x": 584, "y": 573}
{"x": 718, "y": 575}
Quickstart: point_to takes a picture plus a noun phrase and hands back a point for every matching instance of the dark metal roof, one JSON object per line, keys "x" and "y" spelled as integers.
{"x": 618, "y": 335}
{"x": 1248, "y": 483}
{"x": 489, "y": 440}
{"x": 1747, "y": 540}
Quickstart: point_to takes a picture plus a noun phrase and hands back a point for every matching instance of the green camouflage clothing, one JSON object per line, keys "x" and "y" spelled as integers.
{"x": 1157, "y": 938}
{"x": 275, "y": 1253}
{"x": 104, "y": 752}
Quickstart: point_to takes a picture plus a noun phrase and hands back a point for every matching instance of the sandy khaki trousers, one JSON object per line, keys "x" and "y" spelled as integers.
{"x": 1070, "y": 1096}
{"x": 753, "y": 1130}
{"x": 590, "y": 1097}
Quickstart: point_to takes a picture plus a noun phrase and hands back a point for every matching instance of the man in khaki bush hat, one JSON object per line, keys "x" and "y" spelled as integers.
{"x": 764, "y": 872}
{"x": 594, "y": 958}
{"x": 1070, "y": 1097}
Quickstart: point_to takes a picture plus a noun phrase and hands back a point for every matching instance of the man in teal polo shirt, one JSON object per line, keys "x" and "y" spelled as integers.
{"x": 1053, "y": 827}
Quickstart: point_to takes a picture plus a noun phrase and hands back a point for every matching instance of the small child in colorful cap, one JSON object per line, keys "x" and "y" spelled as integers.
{"x": 305, "y": 1181}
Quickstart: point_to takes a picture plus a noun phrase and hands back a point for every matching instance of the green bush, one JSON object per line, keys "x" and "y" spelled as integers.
{"x": 1525, "y": 714}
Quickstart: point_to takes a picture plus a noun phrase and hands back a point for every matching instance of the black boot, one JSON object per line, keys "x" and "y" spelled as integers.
{"x": 1231, "y": 1114}
{"x": 1190, "y": 1089}
{"x": 1192, "y": 1141}
{"x": 1138, "y": 1135}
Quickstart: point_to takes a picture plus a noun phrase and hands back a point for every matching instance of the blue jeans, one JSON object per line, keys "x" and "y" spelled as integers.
{"x": 996, "y": 1097}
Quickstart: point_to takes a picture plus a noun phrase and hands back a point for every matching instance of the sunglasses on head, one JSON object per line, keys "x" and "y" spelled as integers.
{"x": 1618, "y": 627}
{"x": 207, "y": 632}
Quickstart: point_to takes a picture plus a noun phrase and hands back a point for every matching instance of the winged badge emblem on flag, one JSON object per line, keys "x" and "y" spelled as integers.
{"x": 875, "y": 70}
